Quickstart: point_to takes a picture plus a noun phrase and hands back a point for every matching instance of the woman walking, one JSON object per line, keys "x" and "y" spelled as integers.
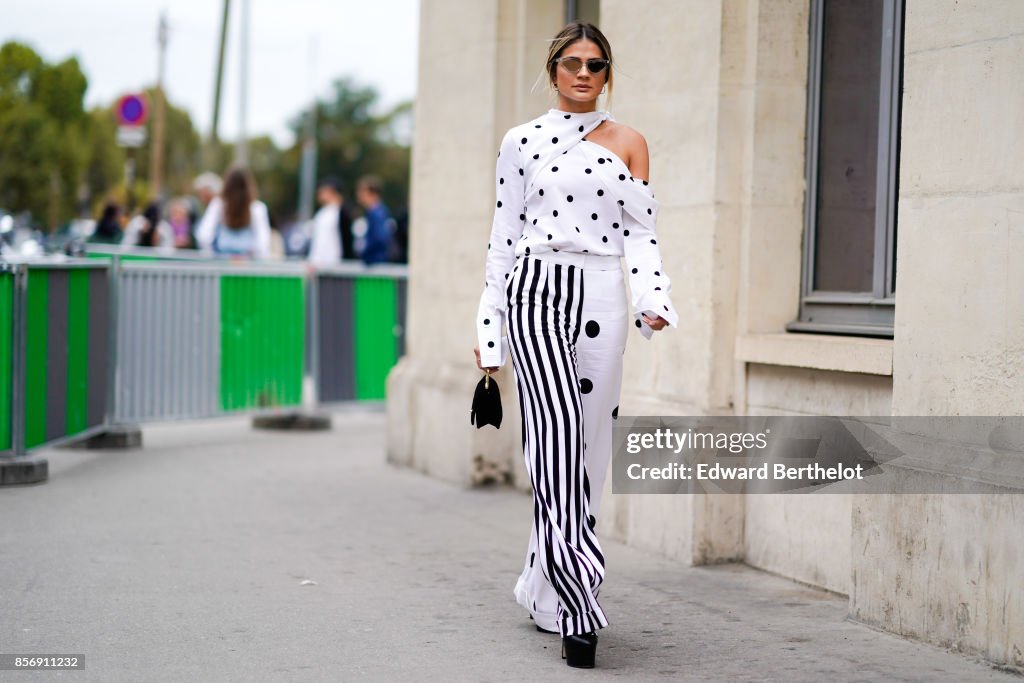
{"x": 572, "y": 198}
{"x": 236, "y": 225}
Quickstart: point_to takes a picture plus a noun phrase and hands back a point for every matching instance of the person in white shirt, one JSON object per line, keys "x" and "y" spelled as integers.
{"x": 573, "y": 198}
{"x": 236, "y": 224}
{"x": 325, "y": 241}
{"x": 148, "y": 229}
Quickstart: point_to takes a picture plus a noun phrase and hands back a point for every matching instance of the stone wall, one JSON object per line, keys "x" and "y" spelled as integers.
{"x": 719, "y": 89}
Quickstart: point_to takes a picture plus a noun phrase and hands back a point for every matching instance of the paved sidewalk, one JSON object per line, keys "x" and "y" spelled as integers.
{"x": 220, "y": 553}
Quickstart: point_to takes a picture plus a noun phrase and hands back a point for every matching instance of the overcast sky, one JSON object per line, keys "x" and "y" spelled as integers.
{"x": 115, "y": 42}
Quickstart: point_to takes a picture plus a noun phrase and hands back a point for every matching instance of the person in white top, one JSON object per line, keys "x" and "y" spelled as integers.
{"x": 148, "y": 229}
{"x": 236, "y": 224}
{"x": 573, "y": 198}
{"x": 325, "y": 241}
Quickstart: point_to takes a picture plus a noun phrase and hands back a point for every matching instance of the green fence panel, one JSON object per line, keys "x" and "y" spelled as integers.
{"x": 375, "y": 318}
{"x": 6, "y": 358}
{"x": 262, "y": 341}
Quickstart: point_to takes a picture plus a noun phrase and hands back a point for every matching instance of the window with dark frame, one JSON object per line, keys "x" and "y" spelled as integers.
{"x": 587, "y": 11}
{"x": 848, "y": 279}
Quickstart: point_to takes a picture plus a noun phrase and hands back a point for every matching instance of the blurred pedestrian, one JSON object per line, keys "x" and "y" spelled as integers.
{"x": 207, "y": 187}
{"x": 400, "y": 244}
{"x": 206, "y": 190}
{"x": 325, "y": 237}
{"x": 380, "y": 226}
{"x": 278, "y": 250}
{"x": 148, "y": 229}
{"x": 108, "y": 228}
{"x": 181, "y": 223}
{"x": 345, "y": 231}
{"x": 236, "y": 224}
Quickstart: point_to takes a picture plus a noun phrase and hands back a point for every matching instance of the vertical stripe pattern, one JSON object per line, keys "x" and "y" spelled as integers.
{"x": 168, "y": 345}
{"x": 335, "y": 322}
{"x": 375, "y": 320}
{"x": 545, "y": 302}
{"x": 262, "y": 343}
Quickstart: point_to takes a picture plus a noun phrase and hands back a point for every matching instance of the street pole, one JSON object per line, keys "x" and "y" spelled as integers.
{"x": 242, "y": 148}
{"x": 214, "y": 140}
{"x": 307, "y": 170}
{"x": 156, "y": 155}
{"x": 129, "y": 179}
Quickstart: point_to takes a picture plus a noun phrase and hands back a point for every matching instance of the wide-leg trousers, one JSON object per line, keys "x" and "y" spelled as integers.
{"x": 566, "y": 326}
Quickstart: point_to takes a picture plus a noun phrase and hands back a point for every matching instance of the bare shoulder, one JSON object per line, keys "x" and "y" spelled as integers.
{"x": 634, "y": 146}
{"x": 627, "y": 136}
{"x": 630, "y": 134}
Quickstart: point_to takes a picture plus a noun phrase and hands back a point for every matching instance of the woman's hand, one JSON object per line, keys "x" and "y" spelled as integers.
{"x": 476, "y": 352}
{"x": 656, "y": 323}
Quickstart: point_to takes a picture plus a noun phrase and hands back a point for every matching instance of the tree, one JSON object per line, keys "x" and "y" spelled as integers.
{"x": 42, "y": 133}
{"x": 104, "y": 168}
{"x": 105, "y": 159}
{"x": 352, "y": 141}
{"x": 182, "y": 148}
{"x": 276, "y": 174}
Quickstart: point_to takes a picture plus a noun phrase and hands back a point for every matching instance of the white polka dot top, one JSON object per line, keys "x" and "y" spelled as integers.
{"x": 557, "y": 191}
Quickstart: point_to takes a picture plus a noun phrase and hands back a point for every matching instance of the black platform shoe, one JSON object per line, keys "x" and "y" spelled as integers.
{"x": 578, "y": 651}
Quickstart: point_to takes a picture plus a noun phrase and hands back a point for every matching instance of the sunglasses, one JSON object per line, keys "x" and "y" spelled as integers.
{"x": 574, "y": 64}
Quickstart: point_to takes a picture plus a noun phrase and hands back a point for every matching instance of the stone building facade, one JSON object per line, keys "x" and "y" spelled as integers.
{"x": 752, "y": 111}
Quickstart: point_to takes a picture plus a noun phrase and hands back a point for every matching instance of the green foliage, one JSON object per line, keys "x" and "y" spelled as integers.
{"x": 42, "y": 133}
{"x": 182, "y": 148}
{"x": 51, "y": 148}
{"x": 353, "y": 142}
{"x": 182, "y": 153}
{"x": 25, "y": 168}
{"x": 104, "y": 168}
{"x": 276, "y": 174}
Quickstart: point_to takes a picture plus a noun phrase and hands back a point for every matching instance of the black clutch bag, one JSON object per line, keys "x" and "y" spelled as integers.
{"x": 486, "y": 403}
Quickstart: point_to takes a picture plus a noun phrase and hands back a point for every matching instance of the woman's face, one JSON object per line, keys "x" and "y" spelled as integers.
{"x": 582, "y": 87}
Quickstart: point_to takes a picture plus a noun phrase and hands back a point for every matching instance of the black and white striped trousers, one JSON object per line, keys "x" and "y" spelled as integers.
{"x": 566, "y": 326}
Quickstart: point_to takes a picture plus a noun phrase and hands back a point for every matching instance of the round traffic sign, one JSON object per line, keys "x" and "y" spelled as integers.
{"x": 131, "y": 110}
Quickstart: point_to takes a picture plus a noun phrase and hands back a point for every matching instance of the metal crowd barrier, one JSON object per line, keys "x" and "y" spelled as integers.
{"x": 130, "y": 336}
{"x": 200, "y": 340}
{"x": 358, "y": 330}
{"x": 54, "y": 352}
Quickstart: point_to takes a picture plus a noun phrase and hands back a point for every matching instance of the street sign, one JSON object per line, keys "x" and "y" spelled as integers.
{"x": 131, "y": 110}
{"x": 131, "y": 136}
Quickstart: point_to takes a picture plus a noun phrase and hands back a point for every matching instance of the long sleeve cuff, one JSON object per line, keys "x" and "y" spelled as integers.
{"x": 493, "y": 345}
{"x": 653, "y": 303}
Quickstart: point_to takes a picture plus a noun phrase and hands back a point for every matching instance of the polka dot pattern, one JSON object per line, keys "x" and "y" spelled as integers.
{"x": 573, "y": 195}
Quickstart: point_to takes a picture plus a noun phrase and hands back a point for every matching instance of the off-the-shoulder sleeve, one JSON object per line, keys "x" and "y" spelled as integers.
{"x": 648, "y": 283}
{"x": 506, "y": 229}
